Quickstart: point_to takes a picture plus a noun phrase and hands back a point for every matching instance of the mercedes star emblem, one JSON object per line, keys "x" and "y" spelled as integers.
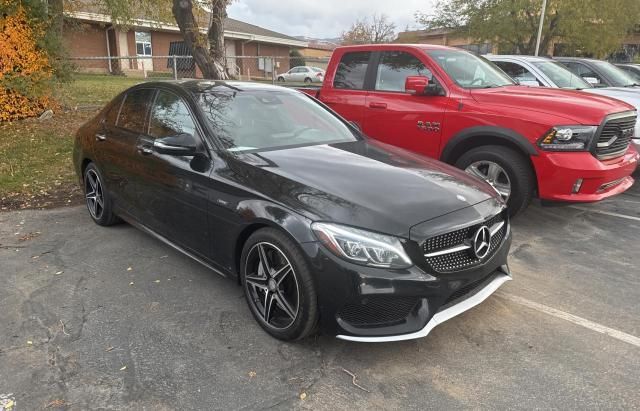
{"x": 482, "y": 242}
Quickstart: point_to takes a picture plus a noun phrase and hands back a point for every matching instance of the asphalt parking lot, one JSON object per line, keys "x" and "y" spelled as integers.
{"x": 111, "y": 318}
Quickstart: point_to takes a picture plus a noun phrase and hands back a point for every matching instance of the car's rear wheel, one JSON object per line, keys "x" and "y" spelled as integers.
{"x": 97, "y": 197}
{"x": 278, "y": 286}
{"x": 506, "y": 170}
{"x": 308, "y": 80}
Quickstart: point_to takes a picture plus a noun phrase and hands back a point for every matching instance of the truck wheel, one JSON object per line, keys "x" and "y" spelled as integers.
{"x": 506, "y": 170}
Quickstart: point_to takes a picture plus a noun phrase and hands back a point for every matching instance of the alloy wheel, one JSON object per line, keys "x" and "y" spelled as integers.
{"x": 94, "y": 194}
{"x": 493, "y": 174}
{"x": 272, "y": 286}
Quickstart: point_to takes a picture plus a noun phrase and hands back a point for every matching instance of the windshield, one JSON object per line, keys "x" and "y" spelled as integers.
{"x": 261, "y": 120}
{"x": 618, "y": 77}
{"x": 468, "y": 70}
{"x": 561, "y": 76}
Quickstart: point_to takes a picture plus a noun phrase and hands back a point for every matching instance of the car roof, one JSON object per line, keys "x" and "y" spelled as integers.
{"x": 398, "y": 45}
{"x": 575, "y": 58}
{"x": 201, "y": 86}
{"x": 517, "y": 57}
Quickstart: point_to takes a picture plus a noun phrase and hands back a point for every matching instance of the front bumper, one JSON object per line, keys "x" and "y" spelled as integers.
{"x": 346, "y": 291}
{"x": 558, "y": 174}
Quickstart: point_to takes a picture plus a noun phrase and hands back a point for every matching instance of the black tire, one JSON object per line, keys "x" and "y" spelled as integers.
{"x": 308, "y": 80}
{"x": 517, "y": 168}
{"x": 281, "y": 79}
{"x": 105, "y": 217}
{"x": 306, "y": 317}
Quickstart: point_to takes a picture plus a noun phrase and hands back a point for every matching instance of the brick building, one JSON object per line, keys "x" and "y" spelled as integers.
{"x": 90, "y": 34}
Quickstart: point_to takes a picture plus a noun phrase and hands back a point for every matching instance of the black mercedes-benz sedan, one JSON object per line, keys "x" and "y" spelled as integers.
{"x": 323, "y": 227}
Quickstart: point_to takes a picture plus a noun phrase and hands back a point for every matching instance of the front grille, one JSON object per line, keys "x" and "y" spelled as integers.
{"x": 615, "y": 137}
{"x": 377, "y": 311}
{"x": 455, "y": 250}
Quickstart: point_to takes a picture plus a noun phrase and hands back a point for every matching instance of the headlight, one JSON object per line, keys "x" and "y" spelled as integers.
{"x": 362, "y": 247}
{"x": 568, "y": 138}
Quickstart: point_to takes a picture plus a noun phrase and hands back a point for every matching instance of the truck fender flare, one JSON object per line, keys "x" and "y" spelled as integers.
{"x": 497, "y": 132}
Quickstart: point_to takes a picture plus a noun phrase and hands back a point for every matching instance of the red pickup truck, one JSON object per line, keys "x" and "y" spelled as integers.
{"x": 446, "y": 103}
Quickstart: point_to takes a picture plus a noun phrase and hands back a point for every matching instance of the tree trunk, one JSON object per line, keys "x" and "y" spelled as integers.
{"x": 208, "y": 55}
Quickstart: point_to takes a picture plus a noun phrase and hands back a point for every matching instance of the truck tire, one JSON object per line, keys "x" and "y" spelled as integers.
{"x": 506, "y": 170}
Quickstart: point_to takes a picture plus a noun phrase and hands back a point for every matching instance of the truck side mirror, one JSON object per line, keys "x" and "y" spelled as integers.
{"x": 422, "y": 86}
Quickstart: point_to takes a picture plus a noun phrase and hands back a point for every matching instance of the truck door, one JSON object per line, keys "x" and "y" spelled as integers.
{"x": 396, "y": 117}
{"x": 348, "y": 94}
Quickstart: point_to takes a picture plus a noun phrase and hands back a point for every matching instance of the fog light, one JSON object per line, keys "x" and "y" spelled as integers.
{"x": 576, "y": 186}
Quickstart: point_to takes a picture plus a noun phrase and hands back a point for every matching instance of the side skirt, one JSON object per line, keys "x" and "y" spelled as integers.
{"x": 152, "y": 233}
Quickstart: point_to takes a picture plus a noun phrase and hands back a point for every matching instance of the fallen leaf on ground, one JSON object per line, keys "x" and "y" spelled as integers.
{"x": 123, "y": 368}
{"x": 59, "y": 272}
{"x": 109, "y": 349}
{"x": 56, "y": 404}
{"x": 129, "y": 269}
{"x": 29, "y": 342}
{"x": 252, "y": 374}
{"x": 131, "y": 283}
{"x": 303, "y": 395}
{"x": 156, "y": 281}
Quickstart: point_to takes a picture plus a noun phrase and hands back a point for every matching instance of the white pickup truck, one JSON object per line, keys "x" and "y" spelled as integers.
{"x": 543, "y": 72}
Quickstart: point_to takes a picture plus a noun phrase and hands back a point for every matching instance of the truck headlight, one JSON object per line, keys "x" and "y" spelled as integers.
{"x": 568, "y": 138}
{"x": 362, "y": 247}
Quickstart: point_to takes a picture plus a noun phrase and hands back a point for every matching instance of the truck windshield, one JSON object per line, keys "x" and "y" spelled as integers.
{"x": 560, "y": 76}
{"x": 618, "y": 77}
{"x": 260, "y": 120}
{"x": 468, "y": 70}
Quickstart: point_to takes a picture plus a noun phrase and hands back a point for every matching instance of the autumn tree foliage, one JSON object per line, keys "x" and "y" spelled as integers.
{"x": 25, "y": 71}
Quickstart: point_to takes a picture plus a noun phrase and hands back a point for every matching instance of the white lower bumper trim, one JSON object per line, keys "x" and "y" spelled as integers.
{"x": 440, "y": 316}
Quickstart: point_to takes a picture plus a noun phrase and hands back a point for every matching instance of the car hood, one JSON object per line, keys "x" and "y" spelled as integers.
{"x": 366, "y": 183}
{"x": 579, "y": 107}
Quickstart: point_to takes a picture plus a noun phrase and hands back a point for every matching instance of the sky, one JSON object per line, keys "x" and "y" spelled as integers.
{"x": 322, "y": 18}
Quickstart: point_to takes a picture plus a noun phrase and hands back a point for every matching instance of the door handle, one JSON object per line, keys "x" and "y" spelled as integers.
{"x": 374, "y": 104}
{"x": 145, "y": 150}
{"x": 101, "y": 137}
{"x": 330, "y": 100}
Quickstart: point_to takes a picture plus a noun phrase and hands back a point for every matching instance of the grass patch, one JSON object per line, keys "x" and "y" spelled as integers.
{"x": 36, "y": 156}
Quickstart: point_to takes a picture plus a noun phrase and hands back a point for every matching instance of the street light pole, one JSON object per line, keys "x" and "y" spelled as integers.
{"x": 544, "y": 9}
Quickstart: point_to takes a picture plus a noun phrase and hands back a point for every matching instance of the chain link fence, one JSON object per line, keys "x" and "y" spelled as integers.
{"x": 272, "y": 69}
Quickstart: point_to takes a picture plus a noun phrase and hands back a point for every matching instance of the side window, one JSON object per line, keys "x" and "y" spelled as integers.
{"x": 395, "y": 67}
{"x": 134, "y": 110}
{"x": 352, "y": 70}
{"x": 517, "y": 72}
{"x": 583, "y": 71}
{"x": 170, "y": 116}
{"x": 111, "y": 115}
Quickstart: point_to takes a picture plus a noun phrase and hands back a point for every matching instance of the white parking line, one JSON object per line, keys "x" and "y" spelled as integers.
{"x": 591, "y": 210}
{"x": 622, "y": 336}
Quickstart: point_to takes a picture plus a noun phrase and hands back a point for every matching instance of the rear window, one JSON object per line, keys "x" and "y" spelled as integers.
{"x": 134, "y": 109}
{"x": 352, "y": 70}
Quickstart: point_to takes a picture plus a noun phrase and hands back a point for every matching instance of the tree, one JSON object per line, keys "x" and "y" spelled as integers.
{"x": 377, "y": 30}
{"x": 591, "y": 27}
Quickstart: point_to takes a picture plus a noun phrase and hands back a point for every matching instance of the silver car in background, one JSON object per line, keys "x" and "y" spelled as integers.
{"x": 543, "y": 72}
{"x": 306, "y": 74}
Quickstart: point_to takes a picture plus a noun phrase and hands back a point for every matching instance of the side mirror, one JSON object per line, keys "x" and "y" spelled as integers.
{"x": 183, "y": 144}
{"x": 591, "y": 80}
{"x": 529, "y": 83}
{"x": 422, "y": 86}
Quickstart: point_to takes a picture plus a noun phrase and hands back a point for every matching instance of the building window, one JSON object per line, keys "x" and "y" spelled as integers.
{"x": 143, "y": 43}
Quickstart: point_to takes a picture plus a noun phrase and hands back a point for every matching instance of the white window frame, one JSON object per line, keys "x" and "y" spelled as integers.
{"x": 144, "y": 44}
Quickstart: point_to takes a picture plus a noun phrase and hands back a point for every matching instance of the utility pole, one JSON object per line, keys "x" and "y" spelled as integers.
{"x": 544, "y": 9}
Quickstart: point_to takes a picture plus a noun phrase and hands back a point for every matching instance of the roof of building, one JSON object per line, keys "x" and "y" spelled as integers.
{"x": 242, "y": 27}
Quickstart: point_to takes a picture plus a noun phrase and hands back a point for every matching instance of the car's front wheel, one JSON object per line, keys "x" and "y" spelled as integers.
{"x": 278, "y": 285}
{"x": 506, "y": 170}
{"x": 281, "y": 79}
{"x": 97, "y": 197}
